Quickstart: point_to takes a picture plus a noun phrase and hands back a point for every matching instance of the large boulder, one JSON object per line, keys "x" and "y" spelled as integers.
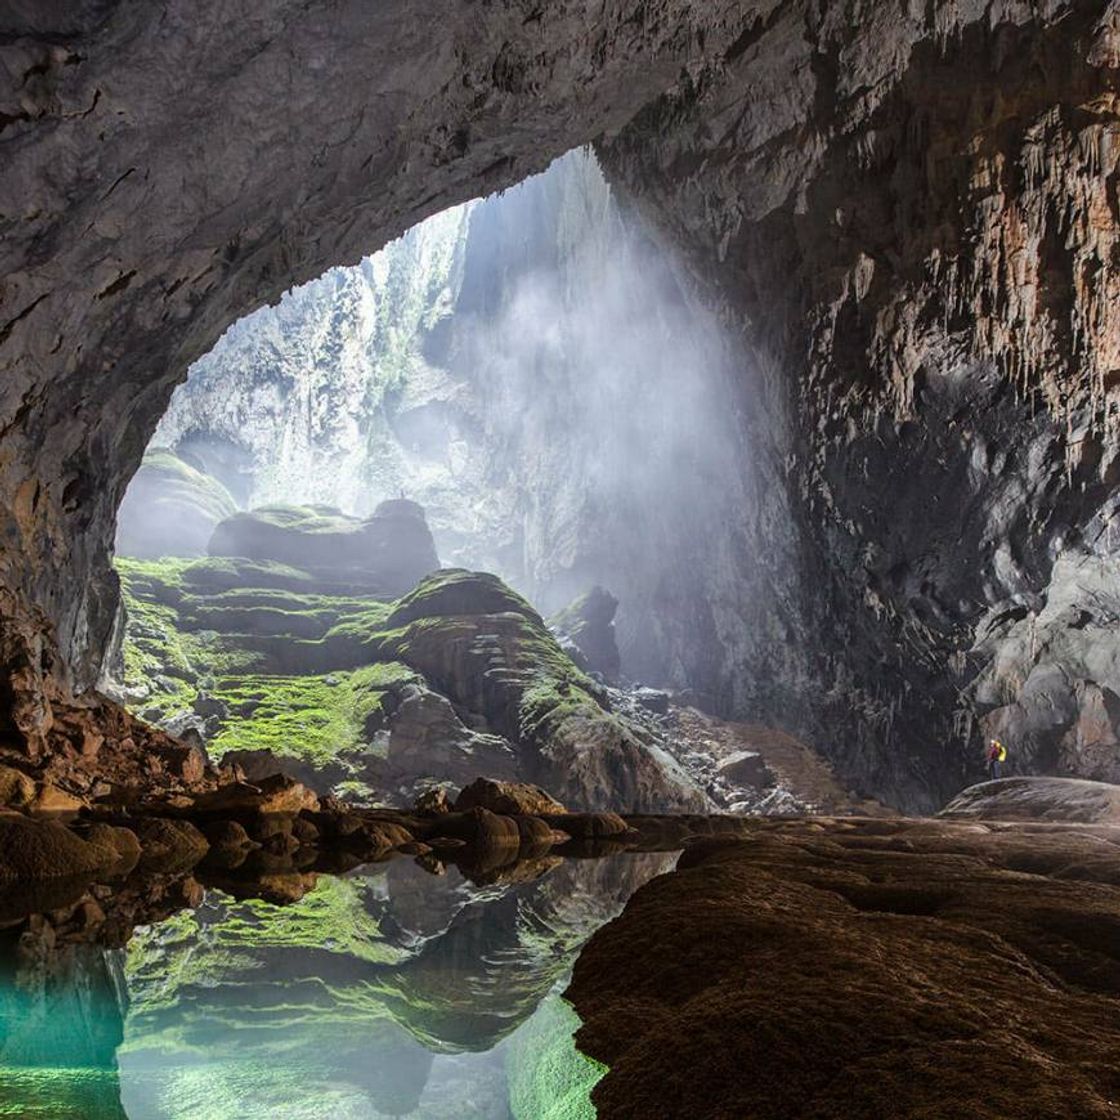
{"x": 588, "y": 623}
{"x": 509, "y": 798}
{"x": 1038, "y": 799}
{"x": 386, "y": 553}
{"x": 427, "y": 739}
{"x": 170, "y": 509}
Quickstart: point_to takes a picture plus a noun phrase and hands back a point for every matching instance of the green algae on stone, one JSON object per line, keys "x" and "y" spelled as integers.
{"x": 549, "y": 1079}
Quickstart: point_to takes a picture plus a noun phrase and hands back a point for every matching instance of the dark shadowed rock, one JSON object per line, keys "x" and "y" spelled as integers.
{"x": 433, "y": 802}
{"x": 856, "y": 970}
{"x": 167, "y": 844}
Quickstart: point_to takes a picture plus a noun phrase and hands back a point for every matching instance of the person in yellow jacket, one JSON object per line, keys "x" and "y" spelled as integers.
{"x": 997, "y": 756}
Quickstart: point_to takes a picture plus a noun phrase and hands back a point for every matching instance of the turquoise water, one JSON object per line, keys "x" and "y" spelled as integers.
{"x": 388, "y": 992}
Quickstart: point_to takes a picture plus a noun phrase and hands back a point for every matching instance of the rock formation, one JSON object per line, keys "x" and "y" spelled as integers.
{"x": 863, "y": 969}
{"x": 386, "y": 554}
{"x": 318, "y": 674}
{"x": 1038, "y": 799}
{"x": 170, "y": 509}
{"x": 907, "y": 215}
{"x": 588, "y": 623}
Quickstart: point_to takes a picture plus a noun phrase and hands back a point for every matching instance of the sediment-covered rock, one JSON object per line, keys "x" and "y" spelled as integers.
{"x": 857, "y": 969}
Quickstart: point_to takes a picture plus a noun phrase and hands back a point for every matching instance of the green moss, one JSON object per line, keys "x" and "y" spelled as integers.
{"x": 549, "y": 1079}
{"x": 316, "y": 719}
{"x": 363, "y": 623}
{"x": 227, "y": 573}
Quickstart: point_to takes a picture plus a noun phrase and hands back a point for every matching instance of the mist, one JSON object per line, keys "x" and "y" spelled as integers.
{"x": 533, "y": 370}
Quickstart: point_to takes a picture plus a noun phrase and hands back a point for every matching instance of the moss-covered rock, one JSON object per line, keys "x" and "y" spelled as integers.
{"x": 457, "y": 679}
{"x": 387, "y": 552}
{"x": 170, "y": 509}
{"x": 484, "y": 647}
{"x": 588, "y": 624}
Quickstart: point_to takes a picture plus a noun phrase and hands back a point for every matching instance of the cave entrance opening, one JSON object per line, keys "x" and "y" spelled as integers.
{"x": 523, "y": 385}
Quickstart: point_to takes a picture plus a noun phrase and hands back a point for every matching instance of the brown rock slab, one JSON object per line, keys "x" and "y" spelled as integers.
{"x": 830, "y": 969}
{"x": 507, "y": 798}
{"x": 273, "y": 795}
{"x": 1038, "y": 799}
{"x": 166, "y": 843}
{"x": 17, "y": 790}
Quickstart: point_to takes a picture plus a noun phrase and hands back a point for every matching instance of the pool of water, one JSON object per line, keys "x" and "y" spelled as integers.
{"x": 387, "y": 992}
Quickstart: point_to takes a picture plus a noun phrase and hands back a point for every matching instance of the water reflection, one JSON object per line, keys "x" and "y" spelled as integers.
{"x": 387, "y": 992}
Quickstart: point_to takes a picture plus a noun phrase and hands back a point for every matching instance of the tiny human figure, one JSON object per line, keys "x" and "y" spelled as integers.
{"x": 996, "y": 756}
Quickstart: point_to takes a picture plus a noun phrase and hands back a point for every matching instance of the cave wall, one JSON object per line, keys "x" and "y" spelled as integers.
{"x": 909, "y": 213}
{"x": 913, "y": 216}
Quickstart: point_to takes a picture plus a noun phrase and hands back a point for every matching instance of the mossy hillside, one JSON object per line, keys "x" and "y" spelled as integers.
{"x": 319, "y": 720}
{"x": 309, "y": 699}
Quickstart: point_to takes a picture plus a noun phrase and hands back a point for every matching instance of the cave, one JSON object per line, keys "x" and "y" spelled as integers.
{"x": 857, "y": 525}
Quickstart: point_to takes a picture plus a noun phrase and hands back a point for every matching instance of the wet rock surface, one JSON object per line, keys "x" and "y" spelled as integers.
{"x": 854, "y": 968}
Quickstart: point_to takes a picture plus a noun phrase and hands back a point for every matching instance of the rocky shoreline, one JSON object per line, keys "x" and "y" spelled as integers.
{"x": 859, "y": 968}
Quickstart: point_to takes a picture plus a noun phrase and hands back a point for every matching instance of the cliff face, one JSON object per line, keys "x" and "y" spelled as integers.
{"x": 909, "y": 216}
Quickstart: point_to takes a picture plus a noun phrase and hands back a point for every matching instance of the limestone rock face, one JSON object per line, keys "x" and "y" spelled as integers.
{"x": 491, "y": 654}
{"x": 386, "y": 553}
{"x": 936, "y": 462}
{"x": 588, "y": 622}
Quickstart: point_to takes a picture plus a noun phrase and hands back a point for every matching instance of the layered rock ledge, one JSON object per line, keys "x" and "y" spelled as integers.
{"x": 862, "y": 969}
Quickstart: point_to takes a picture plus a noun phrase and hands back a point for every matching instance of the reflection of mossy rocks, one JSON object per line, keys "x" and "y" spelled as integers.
{"x": 31, "y": 849}
{"x": 170, "y": 508}
{"x": 386, "y": 553}
{"x": 588, "y": 623}
{"x": 549, "y": 1079}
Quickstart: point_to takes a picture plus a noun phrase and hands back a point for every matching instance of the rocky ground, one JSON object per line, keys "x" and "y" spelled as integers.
{"x": 866, "y": 968}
